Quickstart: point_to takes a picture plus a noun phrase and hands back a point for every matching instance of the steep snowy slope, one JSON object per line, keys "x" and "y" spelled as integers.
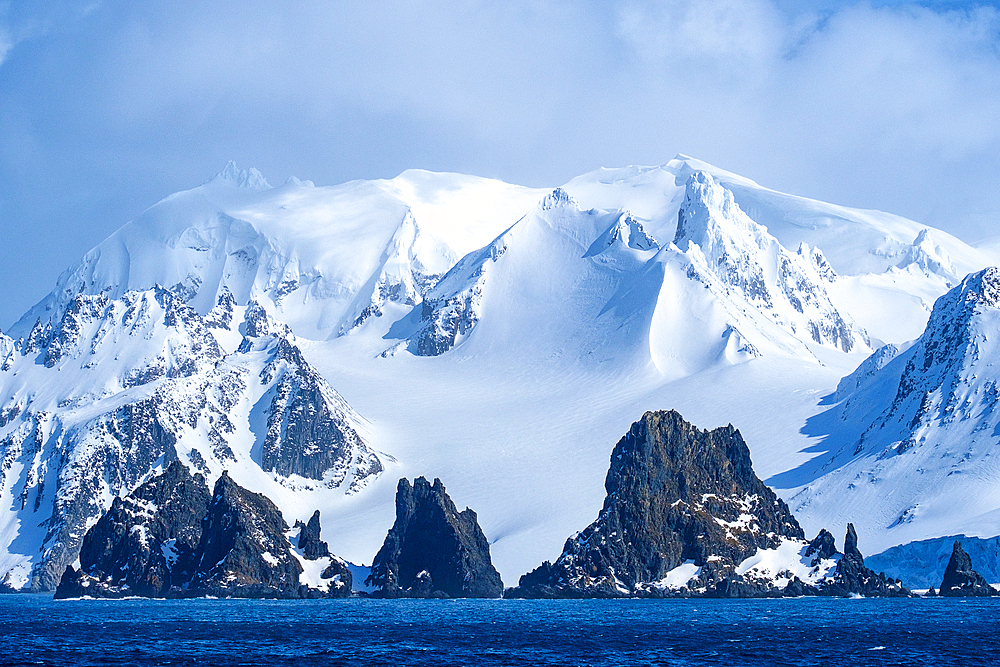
{"x": 547, "y": 279}
{"x": 884, "y": 262}
{"x": 724, "y": 292}
{"x": 855, "y": 241}
{"x": 497, "y": 337}
{"x": 912, "y": 442}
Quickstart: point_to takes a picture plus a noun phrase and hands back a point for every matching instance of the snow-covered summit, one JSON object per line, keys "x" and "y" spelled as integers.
{"x": 527, "y": 276}
{"x": 855, "y": 241}
{"x": 314, "y": 255}
{"x": 248, "y": 179}
{"x": 727, "y": 248}
{"x": 710, "y": 219}
{"x": 928, "y": 256}
{"x": 556, "y": 199}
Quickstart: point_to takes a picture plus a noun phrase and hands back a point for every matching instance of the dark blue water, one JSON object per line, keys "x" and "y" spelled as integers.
{"x": 35, "y": 630}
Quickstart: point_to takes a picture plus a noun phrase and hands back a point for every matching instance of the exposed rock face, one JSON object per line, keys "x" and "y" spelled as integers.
{"x": 686, "y": 515}
{"x": 170, "y": 538}
{"x": 433, "y": 550}
{"x": 309, "y": 543}
{"x": 960, "y": 580}
{"x": 243, "y": 550}
{"x": 309, "y": 431}
{"x": 730, "y": 251}
{"x": 171, "y": 392}
{"x": 851, "y": 577}
{"x": 676, "y": 494}
{"x": 450, "y": 311}
{"x": 146, "y": 543}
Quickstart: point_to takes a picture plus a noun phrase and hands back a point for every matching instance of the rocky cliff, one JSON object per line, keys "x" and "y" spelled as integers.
{"x": 960, "y": 580}
{"x": 157, "y": 386}
{"x": 852, "y": 577}
{"x": 243, "y": 550}
{"x": 171, "y": 538}
{"x": 433, "y": 550}
{"x": 146, "y": 543}
{"x": 686, "y": 515}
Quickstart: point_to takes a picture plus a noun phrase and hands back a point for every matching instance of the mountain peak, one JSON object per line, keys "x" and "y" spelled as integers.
{"x": 983, "y": 287}
{"x": 957, "y": 307}
{"x": 248, "y": 179}
{"x": 927, "y": 255}
{"x": 706, "y": 210}
{"x": 726, "y": 245}
{"x": 558, "y": 198}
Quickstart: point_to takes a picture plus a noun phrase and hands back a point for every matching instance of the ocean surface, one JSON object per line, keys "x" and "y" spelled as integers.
{"x": 36, "y": 630}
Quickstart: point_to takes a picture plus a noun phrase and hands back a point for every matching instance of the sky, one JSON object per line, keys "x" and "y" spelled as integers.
{"x": 106, "y": 107}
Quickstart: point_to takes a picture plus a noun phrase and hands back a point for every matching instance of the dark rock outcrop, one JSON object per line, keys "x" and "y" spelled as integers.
{"x": 851, "y": 577}
{"x": 676, "y": 494}
{"x": 309, "y": 432}
{"x": 171, "y": 538}
{"x": 308, "y": 542}
{"x": 146, "y": 543}
{"x": 243, "y": 550}
{"x": 684, "y": 510}
{"x": 433, "y": 550}
{"x": 960, "y": 580}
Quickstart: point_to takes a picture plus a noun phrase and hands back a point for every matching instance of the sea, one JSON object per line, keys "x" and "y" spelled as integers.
{"x": 37, "y": 630}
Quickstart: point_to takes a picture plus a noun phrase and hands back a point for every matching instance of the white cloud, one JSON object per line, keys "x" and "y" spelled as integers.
{"x": 740, "y": 32}
{"x": 895, "y": 107}
{"x": 6, "y": 43}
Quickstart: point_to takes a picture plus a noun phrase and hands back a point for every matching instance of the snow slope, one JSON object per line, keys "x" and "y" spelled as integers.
{"x": 881, "y": 259}
{"x": 500, "y": 338}
{"x": 910, "y": 448}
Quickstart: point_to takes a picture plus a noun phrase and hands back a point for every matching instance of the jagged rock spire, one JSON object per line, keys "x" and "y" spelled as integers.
{"x": 960, "y": 580}
{"x": 432, "y": 549}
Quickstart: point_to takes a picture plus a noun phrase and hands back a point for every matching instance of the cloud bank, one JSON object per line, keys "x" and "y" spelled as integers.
{"x": 105, "y": 107}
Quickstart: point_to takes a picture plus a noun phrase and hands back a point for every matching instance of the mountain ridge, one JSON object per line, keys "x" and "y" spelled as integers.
{"x": 588, "y": 314}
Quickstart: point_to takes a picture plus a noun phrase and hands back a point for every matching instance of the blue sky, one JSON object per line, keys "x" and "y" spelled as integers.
{"x": 106, "y": 107}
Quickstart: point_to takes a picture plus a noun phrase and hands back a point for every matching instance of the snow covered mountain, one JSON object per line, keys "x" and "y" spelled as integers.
{"x": 319, "y": 256}
{"x": 606, "y": 278}
{"x": 307, "y": 339}
{"x": 120, "y": 387}
{"x": 917, "y": 429}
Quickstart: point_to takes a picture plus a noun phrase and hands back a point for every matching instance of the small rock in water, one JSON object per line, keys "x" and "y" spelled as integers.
{"x": 960, "y": 580}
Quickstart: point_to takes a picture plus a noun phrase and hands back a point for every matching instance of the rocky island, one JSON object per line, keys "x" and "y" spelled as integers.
{"x": 432, "y": 549}
{"x": 685, "y": 515}
{"x": 960, "y": 580}
{"x": 171, "y": 538}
